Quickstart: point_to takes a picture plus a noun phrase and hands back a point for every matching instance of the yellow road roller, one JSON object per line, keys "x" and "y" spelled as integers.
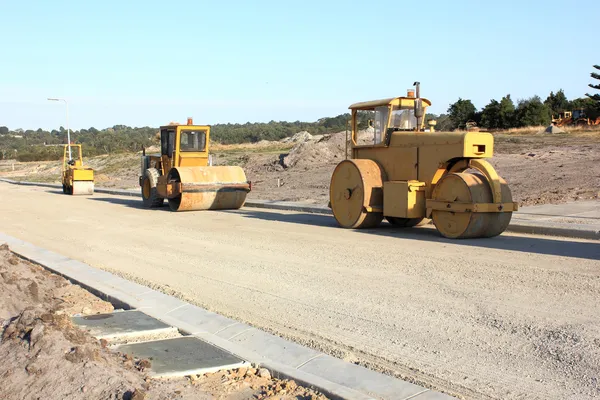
{"x": 184, "y": 175}
{"x": 407, "y": 175}
{"x": 76, "y": 178}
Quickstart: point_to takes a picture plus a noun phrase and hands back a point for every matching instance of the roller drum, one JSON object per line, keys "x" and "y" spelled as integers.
{"x": 470, "y": 188}
{"x": 208, "y": 188}
{"x": 82, "y": 188}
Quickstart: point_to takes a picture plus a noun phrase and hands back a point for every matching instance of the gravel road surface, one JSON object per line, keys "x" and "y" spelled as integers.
{"x": 506, "y": 318}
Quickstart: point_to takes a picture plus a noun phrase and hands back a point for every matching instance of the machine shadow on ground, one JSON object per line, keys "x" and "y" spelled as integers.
{"x": 134, "y": 202}
{"x": 507, "y": 241}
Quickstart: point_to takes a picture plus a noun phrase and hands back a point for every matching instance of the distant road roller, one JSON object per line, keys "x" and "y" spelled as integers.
{"x": 76, "y": 178}
{"x": 406, "y": 174}
{"x": 183, "y": 173}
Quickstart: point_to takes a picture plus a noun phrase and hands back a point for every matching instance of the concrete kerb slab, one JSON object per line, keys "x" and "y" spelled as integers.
{"x": 247, "y": 347}
{"x": 517, "y": 225}
{"x": 117, "y": 192}
{"x": 288, "y": 206}
{"x": 199, "y": 319}
{"x": 122, "y": 325}
{"x": 275, "y": 348}
{"x": 580, "y": 231}
{"x": 182, "y": 356}
{"x": 370, "y": 382}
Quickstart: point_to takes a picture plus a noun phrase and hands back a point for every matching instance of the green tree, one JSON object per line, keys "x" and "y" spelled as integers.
{"x": 532, "y": 112}
{"x": 461, "y": 112}
{"x": 595, "y": 96}
{"x": 3, "y": 130}
{"x": 558, "y": 102}
{"x": 443, "y": 123}
{"x": 582, "y": 103}
{"x": 507, "y": 113}
{"x": 589, "y": 106}
{"x": 490, "y": 115}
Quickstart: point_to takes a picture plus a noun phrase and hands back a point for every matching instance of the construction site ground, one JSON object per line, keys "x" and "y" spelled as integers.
{"x": 504, "y": 318}
{"x": 540, "y": 168}
{"x": 45, "y": 356}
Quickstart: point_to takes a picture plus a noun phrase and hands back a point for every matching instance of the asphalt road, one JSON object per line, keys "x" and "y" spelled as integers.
{"x": 511, "y": 317}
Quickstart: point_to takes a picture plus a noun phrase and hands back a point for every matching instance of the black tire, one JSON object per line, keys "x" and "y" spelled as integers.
{"x": 404, "y": 222}
{"x": 64, "y": 188}
{"x": 150, "y": 196}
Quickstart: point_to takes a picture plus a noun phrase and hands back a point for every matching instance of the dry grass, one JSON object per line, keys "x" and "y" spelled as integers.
{"x": 533, "y": 130}
{"x": 260, "y": 147}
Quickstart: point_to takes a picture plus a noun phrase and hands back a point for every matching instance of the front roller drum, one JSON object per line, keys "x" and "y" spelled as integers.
{"x": 470, "y": 188}
{"x": 208, "y": 188}
{"x": 356, "y": 194}
{"x": 82, "y": 188}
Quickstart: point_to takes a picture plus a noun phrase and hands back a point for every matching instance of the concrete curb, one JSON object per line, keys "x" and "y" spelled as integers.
{"x": 288, "y": 206}
{"x": 335, "y": 378}
{"x": 517, "y": 225}
{"x": 580, "y": 231}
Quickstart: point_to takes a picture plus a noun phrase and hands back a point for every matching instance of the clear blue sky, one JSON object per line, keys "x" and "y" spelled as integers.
{"x": 151, "y": 62}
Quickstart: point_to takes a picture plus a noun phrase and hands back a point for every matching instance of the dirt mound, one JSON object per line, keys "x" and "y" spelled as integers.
{"x": 552, "y": 129}
{"x": 303, "y": 136}
{"x": 308, "y": 153}
{"x": 329, "y": 149}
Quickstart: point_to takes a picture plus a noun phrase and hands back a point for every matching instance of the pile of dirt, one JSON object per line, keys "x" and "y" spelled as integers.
{"x": 45, "y": 356}
{"x": 329, "y": 149}
{"x": 552, "y": 129}
{"x": 306, "y": 154}
{"x": 299, "y": 137}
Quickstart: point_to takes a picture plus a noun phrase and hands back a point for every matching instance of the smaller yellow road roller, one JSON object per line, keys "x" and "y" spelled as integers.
{"x": 407, "y": 175}
{"x": 184, "y": 175}
{"x": 76, "y": 178}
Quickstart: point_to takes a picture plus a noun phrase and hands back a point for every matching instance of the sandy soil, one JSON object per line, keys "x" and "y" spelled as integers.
{"x": 540, "y": 169}
{"x": 511, "y": 317}
{"x": 44, "y": 356}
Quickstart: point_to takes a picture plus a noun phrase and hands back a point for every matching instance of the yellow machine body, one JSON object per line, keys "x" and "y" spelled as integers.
{"x": 183, "y": 173}
{"x": 407, "y": 175}
{"x": 76, "y": 178}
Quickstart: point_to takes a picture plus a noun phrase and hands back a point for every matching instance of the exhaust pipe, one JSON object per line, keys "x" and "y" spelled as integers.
{"x": 418, "y": 105}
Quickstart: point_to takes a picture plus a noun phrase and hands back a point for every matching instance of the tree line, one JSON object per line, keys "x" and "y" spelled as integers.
{"x": 504, "y": 114}
{"x": 533, "y": 111}
{"x": 43, "y": 145}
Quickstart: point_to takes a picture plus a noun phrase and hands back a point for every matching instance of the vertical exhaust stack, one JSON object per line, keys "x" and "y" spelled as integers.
{"x": 418, "y": 105}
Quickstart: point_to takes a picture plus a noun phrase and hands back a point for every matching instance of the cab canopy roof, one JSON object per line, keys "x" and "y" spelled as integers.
{"x": 394, "y": 101}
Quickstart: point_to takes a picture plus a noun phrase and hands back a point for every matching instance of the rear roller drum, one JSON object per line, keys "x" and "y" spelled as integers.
{"x": 356, "y": 194}
{"x": 464, "y": 187}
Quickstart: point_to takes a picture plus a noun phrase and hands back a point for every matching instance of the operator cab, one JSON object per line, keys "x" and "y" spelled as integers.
{"x": 389, "y": 115}
{"x": 185, "y": 145}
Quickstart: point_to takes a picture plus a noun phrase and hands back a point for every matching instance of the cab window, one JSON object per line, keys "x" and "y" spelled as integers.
{"x": 192, "y": 140}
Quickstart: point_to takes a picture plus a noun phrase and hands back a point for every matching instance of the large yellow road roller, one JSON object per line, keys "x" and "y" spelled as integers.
{"x": 407, "y": 175}
{"x": 76, "y": 178}
{"x": 183, "y": 173}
